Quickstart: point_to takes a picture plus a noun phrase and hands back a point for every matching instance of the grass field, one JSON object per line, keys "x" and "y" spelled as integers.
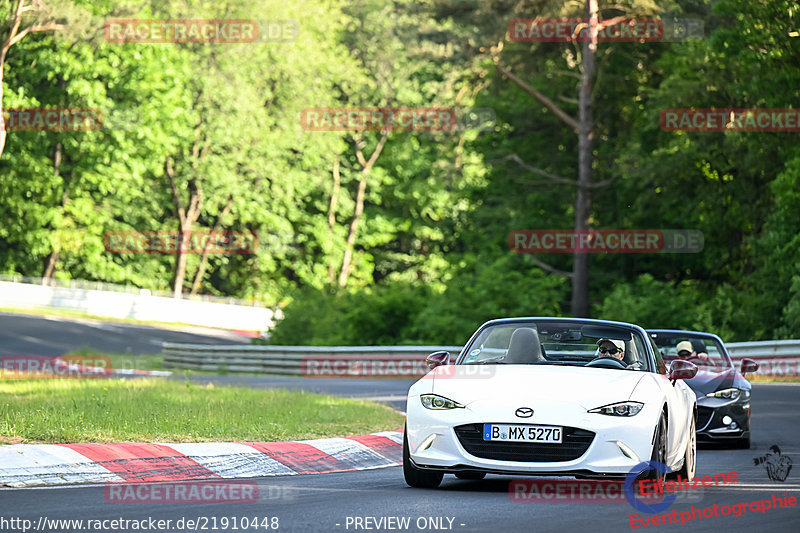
{"x": 156, "y": 410}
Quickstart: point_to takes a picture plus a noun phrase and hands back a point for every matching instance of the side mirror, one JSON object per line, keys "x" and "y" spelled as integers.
{"x": 681, "y": 370}
{"x": 437, "y": 359}
{"x": 748, "y": 365}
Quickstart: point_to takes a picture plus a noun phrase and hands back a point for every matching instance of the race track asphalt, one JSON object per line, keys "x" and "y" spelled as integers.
{"x": 22, "y": 334}
{"x": 333, "y": 502}
{"x": 358, "y": 501}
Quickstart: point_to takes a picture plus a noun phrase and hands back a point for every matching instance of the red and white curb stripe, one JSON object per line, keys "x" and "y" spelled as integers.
{"x": 53, "y": 464}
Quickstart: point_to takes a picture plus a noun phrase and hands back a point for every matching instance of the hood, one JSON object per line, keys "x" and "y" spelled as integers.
{"x": 707, "y": 381}
{"x": 490, "y": 384}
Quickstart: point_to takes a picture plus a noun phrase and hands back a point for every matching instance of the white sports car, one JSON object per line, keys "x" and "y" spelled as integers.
{"x": 550, "y": 396}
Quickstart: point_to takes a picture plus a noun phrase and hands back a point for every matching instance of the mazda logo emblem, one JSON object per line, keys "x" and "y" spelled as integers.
{"x": 524, "y": 412}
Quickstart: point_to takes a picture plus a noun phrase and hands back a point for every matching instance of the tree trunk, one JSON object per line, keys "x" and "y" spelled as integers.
{"x": 351, "y": 237}
{"x": 180, "y": 265}
{"x": 52, "y": 259}
{"x": 2, "y": 123}
{"x": 201, "y": 270}
{"x": 366, "y": 166}
{"x": 583, "y": 200}
{"x": 186, "y": 219}
{"x": 332, "y": 216}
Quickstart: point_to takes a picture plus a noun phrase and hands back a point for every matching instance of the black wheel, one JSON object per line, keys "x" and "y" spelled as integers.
{"x": 472, "y": 476}
{"x": 415, "y": 477}
{"x": 659, "y": 449}
{"x": 690, "y": 457}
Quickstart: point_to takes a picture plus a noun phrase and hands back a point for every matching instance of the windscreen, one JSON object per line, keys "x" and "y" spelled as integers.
{"x": 705, "y": 352}
{"x": 557, "y": 343}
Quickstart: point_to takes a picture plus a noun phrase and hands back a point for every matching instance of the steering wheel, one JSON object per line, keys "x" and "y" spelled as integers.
{"x": 607, "y": 362}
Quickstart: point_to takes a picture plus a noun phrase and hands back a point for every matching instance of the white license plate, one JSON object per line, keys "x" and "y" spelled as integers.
{"x": 515, "y": 433}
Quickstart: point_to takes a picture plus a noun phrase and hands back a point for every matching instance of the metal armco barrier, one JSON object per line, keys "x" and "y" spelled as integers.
{"x": 776, "y": 358}
{"x": 312, "y": 361}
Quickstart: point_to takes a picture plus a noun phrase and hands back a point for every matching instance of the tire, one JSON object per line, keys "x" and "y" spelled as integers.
{"x": 659, "y": 450}
{"x": 471, "y": 476}
{"x": 689, "y": 467}
{"x": 421, "y": 479}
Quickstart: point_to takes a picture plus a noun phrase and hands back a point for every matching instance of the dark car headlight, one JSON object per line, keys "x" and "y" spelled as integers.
{"x": 438, "y": 403}
{"x": 619, "y": 409}
{"x": 728, "y": 394}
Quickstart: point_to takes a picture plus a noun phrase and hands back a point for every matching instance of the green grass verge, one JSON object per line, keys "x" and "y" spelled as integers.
{"x": 772, "y": 379}
{"x": 156, "y": 410}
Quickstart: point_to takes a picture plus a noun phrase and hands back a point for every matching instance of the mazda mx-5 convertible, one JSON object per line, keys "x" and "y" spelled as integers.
{"x": 723, "y": 393}
{"x": 550, "y": 396}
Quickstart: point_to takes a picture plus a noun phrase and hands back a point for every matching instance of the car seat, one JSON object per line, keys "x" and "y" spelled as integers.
{"x": 524, "y": 347}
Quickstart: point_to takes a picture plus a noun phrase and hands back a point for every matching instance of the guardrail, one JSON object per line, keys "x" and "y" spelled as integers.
{"x": 138, "y": 306}
{"x": 775, "y": 358}
{"x": 322, "y": 361}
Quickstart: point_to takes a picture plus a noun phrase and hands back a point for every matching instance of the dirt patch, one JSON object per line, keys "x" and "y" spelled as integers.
{"x": 16, "y": 440}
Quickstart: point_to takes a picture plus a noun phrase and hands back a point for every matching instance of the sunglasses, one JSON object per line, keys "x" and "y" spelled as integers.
{"x": 610, "y": 350}
{"x": 684, "y": 353}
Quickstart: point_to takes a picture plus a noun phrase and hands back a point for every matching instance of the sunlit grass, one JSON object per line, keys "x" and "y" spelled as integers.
{"x": 155, "y": 410}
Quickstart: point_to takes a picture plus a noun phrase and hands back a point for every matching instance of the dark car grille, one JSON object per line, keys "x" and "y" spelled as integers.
{"x": 703, "y": 416}
{"x": 575, "y": 442}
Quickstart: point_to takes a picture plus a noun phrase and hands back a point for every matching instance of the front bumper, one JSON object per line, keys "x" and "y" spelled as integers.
{"x": 710, "y": 415}
{"x": 613, "y": 445}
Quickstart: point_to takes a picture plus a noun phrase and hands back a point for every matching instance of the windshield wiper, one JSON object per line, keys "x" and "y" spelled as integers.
{"x": 575, "y": 358}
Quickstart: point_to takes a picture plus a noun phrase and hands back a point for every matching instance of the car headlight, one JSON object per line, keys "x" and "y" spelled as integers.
{"x": 725, "y": 394}
{"x": 619, "y": 409}
{"x": 433, "y": 401}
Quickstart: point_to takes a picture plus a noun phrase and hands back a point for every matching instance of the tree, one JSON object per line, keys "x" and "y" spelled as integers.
{"x": 13, "y": 28}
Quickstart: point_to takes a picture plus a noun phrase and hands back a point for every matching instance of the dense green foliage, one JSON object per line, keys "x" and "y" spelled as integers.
{"x": 429, "y": 258}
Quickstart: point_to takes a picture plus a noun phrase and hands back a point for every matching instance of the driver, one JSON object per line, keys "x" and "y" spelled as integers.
{"x": 613, "y": 348}
{"x": 686, "y": 352}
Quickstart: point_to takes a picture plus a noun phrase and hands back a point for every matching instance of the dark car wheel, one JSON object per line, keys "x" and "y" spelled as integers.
{"x": 473, "y": 476}
{"x": 415, "y": 477}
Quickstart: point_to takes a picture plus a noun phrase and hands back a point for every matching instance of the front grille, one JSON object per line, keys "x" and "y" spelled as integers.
{"x": 704, "y": 415}
{"x": 574, "y": 443}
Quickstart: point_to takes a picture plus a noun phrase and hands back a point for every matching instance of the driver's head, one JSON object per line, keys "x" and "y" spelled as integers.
{"x": 684, "y": 349}
{"x": 611, "y": 348}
